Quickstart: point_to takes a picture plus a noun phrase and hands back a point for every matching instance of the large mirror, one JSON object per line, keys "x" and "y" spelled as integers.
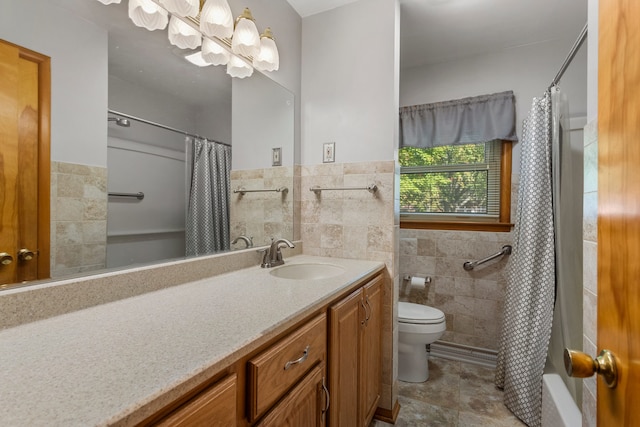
{"x": 126, "y": 109}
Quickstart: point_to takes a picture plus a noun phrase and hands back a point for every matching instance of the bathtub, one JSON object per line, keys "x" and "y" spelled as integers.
{"x": 558, "y": 407}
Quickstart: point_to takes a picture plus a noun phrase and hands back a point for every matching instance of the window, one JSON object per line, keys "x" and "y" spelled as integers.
{"x": 461, "y": 187}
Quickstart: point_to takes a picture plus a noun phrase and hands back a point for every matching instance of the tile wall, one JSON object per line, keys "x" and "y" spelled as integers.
{"x": 262, "y": 215}
{"x": 471, "y": 300}
{"x": 357, "y": 224}
{"x": 590, "y": 266}
{"x": 78, "y": 218}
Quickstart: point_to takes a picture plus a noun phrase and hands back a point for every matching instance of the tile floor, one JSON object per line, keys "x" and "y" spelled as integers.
{"x": 456, "y": 394}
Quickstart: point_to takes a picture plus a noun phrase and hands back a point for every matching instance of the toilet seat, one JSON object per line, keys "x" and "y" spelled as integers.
{"x": 419, "y": 314}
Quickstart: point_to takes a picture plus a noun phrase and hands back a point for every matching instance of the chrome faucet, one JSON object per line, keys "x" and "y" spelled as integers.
{"x": 247, "y": 240}
{"x": 272, "y": 256}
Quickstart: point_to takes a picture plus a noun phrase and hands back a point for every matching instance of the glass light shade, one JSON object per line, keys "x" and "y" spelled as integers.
{"x": 109, "y": 1}
{"x": 147, "y": 14}
{"x": 213, "y": 53}
{"x": 246, "y": 39}
{"x": 182, "y": 8}
{"x": 197, "y": 59}
{"x": 237, "y": 67}
{"x": 183, "y": 35}
{"x": 216, "y": 19}
{"x": 268, "y": 59}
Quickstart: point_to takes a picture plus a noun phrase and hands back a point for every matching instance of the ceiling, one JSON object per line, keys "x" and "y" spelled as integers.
{"x": 433, "y": 31}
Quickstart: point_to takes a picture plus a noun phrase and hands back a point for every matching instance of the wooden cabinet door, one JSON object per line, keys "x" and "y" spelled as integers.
{"x": 302, "y": 406}
{"x": 24, "y": 164}
{"x": 344, "y": 329}
{"x": 370, "y": 352}
{"x": 215, "y": 407}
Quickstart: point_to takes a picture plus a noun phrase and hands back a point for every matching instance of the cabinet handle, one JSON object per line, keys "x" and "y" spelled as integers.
{"x": 370, "y": 308}
{"x": 366, "y": 318}
{"x": 302, "y": 358}
{"x": 327, "y": 397}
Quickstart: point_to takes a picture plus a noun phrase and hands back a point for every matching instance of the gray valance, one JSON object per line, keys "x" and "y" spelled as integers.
{"x": 462, "y": 121}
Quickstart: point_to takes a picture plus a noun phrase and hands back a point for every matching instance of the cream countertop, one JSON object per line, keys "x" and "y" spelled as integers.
{"x": 119, "y": 362}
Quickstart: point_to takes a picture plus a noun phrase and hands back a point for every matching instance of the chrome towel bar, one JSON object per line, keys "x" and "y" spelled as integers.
{"x": 469, "y": 265}
{"x": 242, "y": 191}
{"x": 139, "y": 195}
{"x": 370, "y": 188}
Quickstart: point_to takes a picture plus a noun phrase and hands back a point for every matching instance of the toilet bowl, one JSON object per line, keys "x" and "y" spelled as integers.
{"x": 418, "y": 325}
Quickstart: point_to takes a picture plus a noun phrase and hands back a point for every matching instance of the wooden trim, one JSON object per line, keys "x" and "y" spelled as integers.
{"x": 44, "y": 157}
{"x": 502, "y": 225}
{"x": 44, "y": 169}
{"x": 505, "y": 182}
{"x": 386, "y": 415}
{"x": 457, "y": 225}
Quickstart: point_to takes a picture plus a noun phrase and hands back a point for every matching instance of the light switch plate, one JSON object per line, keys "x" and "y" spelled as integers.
{"x": 329, "y": 152}
{"x": 276, "y": 156}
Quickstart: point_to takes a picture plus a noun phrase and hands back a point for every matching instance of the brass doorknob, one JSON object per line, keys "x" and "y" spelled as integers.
{"x": 5, "y": 258}
{"x": 25, "y": 255}
{"x": 581, "y": 365}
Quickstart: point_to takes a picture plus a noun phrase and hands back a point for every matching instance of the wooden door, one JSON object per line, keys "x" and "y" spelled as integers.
{"x": 302, "y": 406}
{"x": 619, "y": 207}
{"x": 344, "y": 328}
{"x": 370, "y": 351}
{"x": 24, "y": 164}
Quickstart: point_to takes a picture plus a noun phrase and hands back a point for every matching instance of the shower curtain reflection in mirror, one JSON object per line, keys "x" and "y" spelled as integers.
{"x": 207, "y": 222}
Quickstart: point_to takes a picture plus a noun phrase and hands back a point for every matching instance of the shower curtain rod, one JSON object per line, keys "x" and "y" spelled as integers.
{"x": 572, "y": 53}
{"x": 160, "y": 125}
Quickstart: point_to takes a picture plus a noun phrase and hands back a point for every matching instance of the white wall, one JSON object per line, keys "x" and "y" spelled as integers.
{"x": 526, "y": 70}
{"x": 349, "y": 97}
{"x": 78, "y": 51}
{"x": 592, "y": 49}
{"x": 263, "y": 118}
{"x": 287, "y": 30}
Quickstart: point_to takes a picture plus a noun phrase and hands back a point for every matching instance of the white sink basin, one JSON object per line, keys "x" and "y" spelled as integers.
{"x": 308, "y": 271}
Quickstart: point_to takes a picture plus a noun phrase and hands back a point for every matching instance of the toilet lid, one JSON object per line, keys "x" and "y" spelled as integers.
{"x": 418, "y": 313}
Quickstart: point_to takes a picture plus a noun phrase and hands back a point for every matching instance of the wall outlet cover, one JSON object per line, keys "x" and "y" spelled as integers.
{"x": 276, "y": 156}
{"x": 329, "y": 152}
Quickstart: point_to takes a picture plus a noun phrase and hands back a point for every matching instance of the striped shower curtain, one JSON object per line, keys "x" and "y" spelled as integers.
{"x": 528, "y": 311}
{"x": 207, "y": 222}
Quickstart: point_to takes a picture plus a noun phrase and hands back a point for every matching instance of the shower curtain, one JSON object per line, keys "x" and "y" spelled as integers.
{"x": 207, "y": 222}
{"x": 529, "y": 300}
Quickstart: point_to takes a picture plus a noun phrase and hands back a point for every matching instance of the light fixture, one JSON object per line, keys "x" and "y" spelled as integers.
{"x": 213, "y": 53}
{"x": 183, "y": 35}
{"x": 246, "y": 39}
{"x": 147, "y": 14}
{"x": 237, "y": 67}
{"x": 216, "y": 19}
{"x": 237, "y": 45}
{"x": 268, "y": 58}
{"x": 182, "y": 8}
{"x": 197, "y": 59}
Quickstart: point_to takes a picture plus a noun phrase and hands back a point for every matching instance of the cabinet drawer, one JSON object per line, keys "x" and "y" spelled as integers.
{"x": 215, "y": 407}
{"x": 275, "y": 370}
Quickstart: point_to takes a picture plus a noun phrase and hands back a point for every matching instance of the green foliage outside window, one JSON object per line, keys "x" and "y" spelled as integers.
{"x": 448, "y": 179}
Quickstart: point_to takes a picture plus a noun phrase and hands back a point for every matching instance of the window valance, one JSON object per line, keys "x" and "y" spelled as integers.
{"x": 462, "y": 121}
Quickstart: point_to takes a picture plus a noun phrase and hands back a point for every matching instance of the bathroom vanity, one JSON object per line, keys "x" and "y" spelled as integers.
{"x": 242, "y": 348}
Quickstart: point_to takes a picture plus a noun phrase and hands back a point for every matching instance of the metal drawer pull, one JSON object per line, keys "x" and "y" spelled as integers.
{"x": 370, "y": 308}
{"x": 300, "y": 360}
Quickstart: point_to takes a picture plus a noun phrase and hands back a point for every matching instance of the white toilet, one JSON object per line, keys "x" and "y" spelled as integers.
{"x": 418, "y": 325}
